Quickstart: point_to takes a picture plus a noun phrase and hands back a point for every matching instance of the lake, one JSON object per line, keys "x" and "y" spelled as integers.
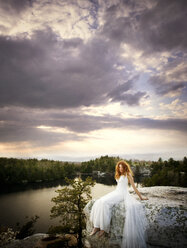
{"x": 35, "y": 199}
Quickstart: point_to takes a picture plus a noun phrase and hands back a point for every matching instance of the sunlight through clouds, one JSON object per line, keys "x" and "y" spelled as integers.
{"x": 86, "y": 78}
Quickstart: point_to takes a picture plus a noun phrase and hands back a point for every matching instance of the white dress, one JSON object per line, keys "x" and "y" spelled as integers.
{"x": 135, "y": 225}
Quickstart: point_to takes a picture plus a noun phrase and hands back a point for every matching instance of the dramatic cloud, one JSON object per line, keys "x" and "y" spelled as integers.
{"x": 52, "y": 72}
{"x": 58, "y": 127}
{"x": 13, "y": 7}
{"x": 153, "y": 26}
{"x": 82, "y": 75}
{"x": 164, "y": 25}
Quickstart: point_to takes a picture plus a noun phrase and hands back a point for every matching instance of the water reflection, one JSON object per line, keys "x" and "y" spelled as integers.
{"x": 6, "y": 189}
{"x": 106, "y": 180}
{"x": 18, "y": 201}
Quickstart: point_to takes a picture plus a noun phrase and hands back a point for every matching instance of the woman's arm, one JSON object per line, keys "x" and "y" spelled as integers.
{"x": 134, "y": 187}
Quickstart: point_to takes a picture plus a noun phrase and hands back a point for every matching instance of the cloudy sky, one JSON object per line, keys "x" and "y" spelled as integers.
{"x": 81, "y": 79}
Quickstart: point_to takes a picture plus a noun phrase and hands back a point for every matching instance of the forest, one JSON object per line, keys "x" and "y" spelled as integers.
{"x": 18, "y": 171}
{"x": 167, "y": 173}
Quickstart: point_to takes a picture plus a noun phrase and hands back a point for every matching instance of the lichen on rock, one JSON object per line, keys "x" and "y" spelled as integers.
{"x": 166, "y": 213}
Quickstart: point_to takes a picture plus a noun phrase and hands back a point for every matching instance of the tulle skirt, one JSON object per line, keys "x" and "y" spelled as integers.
{"x": 100, "y": 214}
{"x": 135, "y": 225}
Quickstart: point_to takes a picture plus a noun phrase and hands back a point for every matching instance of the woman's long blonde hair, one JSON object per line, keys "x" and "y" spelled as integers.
{"x": 126, "y": 167}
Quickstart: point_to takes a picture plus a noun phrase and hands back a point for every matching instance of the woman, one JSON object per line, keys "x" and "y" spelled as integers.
{"x": 135, "y": 225}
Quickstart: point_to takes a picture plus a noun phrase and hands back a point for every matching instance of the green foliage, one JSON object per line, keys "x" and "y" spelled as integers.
{"x": 69, "y": 205}
{"x": 137, "y": 174}
{"x": 14, "y": 171}
{"x": 168, "y": 173}
{"x": 20, "y": 171}
{"x": 27, "y": 229}
{"x": 103, "y": 164}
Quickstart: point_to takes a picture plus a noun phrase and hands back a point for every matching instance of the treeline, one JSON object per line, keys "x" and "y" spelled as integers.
{"x": 13, "y": 170}
{"x": 167, "y": 173}
{"x": 103, "y": 164}
{"x": 171, "y": 172}
{"x": 16, "y": 171}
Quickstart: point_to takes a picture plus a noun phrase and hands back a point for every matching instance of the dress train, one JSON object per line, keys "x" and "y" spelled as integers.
{"x": 135, "y": 225}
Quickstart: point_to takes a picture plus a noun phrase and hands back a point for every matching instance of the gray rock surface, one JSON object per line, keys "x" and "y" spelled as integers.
{"x": 166, "y": 211}
{"x": 28, "y": 242}
{"x": 43, "y": 240}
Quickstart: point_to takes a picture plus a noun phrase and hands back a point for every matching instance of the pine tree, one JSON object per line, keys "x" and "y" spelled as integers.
{"x": 69, "y": 205}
